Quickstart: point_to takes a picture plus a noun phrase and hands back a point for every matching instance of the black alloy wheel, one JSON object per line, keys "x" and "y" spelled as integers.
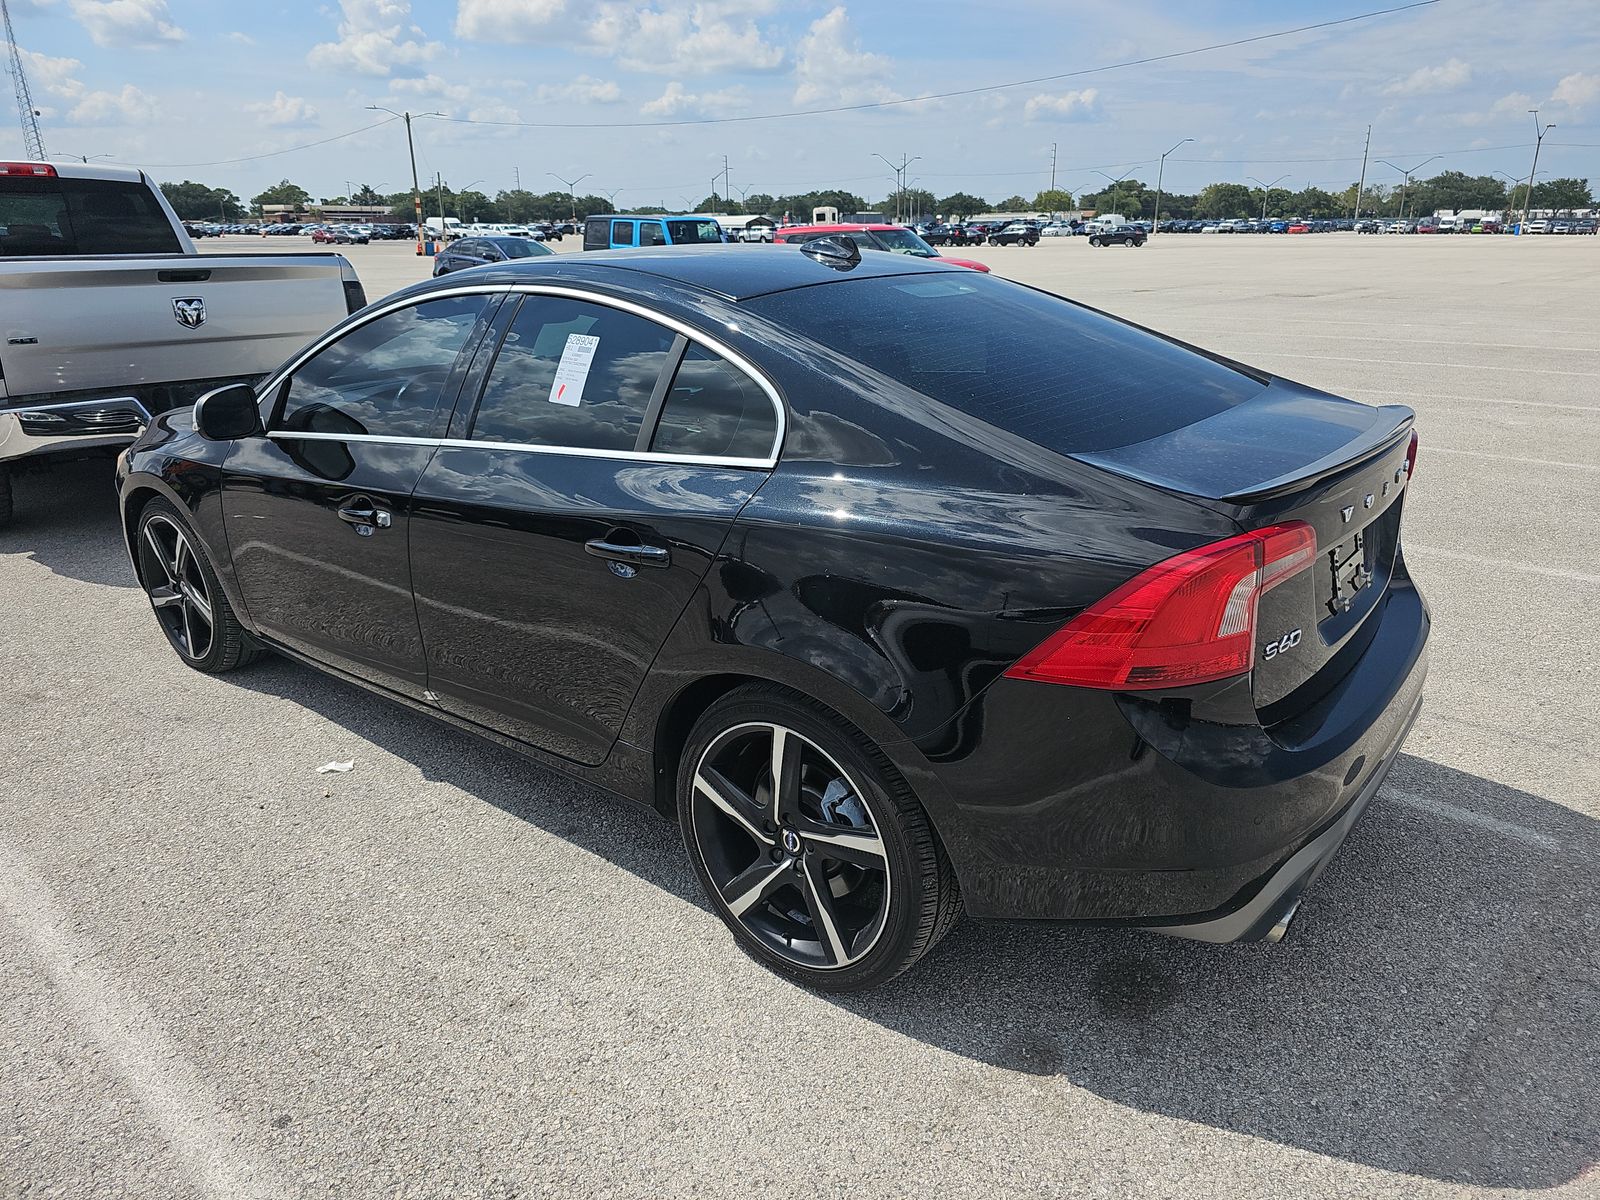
{"x": 811, "y": 850}
{"x": 183, "y": 590}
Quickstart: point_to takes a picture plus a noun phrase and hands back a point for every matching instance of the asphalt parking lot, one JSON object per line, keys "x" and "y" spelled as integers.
{"x": 450, "y": 972}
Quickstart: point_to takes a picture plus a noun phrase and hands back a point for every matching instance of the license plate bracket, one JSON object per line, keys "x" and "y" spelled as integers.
{"x": 1351, "y": 572}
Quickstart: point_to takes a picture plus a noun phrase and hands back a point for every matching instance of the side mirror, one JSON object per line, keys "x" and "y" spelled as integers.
{"x": 227, "y": 413}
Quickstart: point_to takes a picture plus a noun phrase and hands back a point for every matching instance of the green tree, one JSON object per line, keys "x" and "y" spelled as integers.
{"x": 366, "y": 194}
{"x": 1226, "y": 200}
{"x": 1562, "y": 194}
{"x": 1053, "y": 200}
{"x": 1014, "y": 204}
{"x": 197, "y": 202}
{"x": 1177, "y": 204}
{"x": 1455, "y": 190}
{"x": 913, "y": 203}
{"x": 962, "y": 204}
{"x": 283, "y": 192}
{"x": 1312, "y": 202}
{"x": 760, "y": 202}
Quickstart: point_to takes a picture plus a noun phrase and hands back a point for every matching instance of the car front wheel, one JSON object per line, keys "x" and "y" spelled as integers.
{"x": 809, "y": 845}
{"x": 183, "y": 590}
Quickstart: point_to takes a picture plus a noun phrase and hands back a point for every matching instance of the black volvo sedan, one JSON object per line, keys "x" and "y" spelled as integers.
{"x": 906, "y": 588}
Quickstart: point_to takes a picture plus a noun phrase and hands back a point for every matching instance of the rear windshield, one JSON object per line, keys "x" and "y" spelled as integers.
{"x": 1062, "y": 377}
{"x": 691, "y": 232}
{"x": 81, "y": 216}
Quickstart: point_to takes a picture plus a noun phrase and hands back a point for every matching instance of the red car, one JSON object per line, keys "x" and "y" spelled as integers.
{"x": 893, "y": 238}
{"x": 1298, "y": 227}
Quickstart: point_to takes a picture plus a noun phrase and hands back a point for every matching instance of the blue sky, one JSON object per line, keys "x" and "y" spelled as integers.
{"x": 178, "y": 86}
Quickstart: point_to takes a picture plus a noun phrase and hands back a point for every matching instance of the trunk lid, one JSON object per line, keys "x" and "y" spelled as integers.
{"x": 1295, "y": 454}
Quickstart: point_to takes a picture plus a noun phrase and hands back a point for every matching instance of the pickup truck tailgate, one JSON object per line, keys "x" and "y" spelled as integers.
{"x": 71, "y": 325}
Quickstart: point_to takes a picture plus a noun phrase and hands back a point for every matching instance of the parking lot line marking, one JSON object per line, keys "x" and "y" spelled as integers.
{"x": 1537, "y": 462}
{"x": 1503, "y": 563}
{"x": 1478, "y": 820}
{"x": 1416, "y": 341}
{"x": 1477, "y": 399}
{"x": 1407, "y": 362}
{"x": 210, "y": 1146}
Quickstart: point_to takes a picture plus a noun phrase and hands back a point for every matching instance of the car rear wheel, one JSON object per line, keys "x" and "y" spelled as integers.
{"x": 183, "y": 590}
{"x": 809, "y": 845}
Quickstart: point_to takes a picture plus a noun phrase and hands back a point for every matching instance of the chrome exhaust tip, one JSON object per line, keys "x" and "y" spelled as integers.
{"x": 1280, "y": 928}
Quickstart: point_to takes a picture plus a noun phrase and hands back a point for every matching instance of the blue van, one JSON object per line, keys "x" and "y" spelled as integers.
{"x": 613, "y": 233}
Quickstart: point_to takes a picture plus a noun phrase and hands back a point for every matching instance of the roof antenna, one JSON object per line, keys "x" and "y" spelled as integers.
{"x": 840, "y": 253}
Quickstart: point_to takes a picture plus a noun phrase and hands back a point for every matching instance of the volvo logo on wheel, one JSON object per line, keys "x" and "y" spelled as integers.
{"x": 791, "y": 841}
{"x": 190, "y": 311}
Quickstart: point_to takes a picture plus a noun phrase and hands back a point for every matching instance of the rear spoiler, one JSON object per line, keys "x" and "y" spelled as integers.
{"x": 1374, "y": 444}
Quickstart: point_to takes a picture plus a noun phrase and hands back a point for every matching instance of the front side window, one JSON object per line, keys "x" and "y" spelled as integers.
{"x": 383, "y": 378}
{"x": 622, "y": 233}
{"x": 572, "y": 374}
{"x": 715, "y": 410}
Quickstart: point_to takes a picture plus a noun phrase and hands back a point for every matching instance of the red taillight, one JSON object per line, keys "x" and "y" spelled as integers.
{"x": 1190, "y": 619}
{"x": 1411, "y": 456}
{"x": 27, "y": 168}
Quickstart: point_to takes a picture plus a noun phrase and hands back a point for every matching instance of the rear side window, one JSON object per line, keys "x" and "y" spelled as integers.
{"x": 596, "y": 234}
{"x": 651, "y": 234}
{"x": 715, "y": 410}
{"x": 694, "y": 232}
{"x": 1047, "y": 370}
{"x": 81, "y": 216}
{"x": 572, "y": 374}
{"x": 385, "y": 377}
{"x": 622, "y": 233}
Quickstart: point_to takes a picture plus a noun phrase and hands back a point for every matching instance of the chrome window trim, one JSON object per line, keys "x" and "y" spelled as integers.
{"x": 705, "y": 460}
{"x": 780, "y": 410}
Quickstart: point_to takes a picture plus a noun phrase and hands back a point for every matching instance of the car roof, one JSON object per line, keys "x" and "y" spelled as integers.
{"x": 882, "y": 227}
{"x": 732, "y": 272}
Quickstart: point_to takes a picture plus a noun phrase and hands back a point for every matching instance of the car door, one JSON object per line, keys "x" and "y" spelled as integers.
{"x": 584, "y": 491}
{"x": 317, "y": 510}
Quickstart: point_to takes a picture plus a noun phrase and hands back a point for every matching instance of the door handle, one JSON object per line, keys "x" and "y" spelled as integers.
{"x": 377, "y": 518}
{"x": 633, "y": 554}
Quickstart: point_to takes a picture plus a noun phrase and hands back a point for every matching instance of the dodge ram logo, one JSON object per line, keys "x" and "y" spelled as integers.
{"x": 191, "y": 313}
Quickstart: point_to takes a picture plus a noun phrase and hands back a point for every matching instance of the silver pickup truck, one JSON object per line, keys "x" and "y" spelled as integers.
{"x": 109, "y": 316}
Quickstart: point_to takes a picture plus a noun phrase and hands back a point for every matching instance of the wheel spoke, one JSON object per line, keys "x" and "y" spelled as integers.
{"x": 188, "y": 629}
{"x": 748, "y": 888}
{"x": 733, "y": 801}
{"x": 165, "y": 597}
{"x": 785, "y": 772}
{"x": 819, "y": 902}
{"x": 199, "y": 601}
{"x": 180, "y": 551}
{"x": 861, "y": 847}
{"x": 159, "y": 551}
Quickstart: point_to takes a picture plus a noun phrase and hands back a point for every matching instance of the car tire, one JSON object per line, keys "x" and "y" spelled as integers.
{"x": 1094, "y": 241}
{"x": 838, "y": 882}
{"x": 185, "y": 594}
{"x": 5, "y": 496}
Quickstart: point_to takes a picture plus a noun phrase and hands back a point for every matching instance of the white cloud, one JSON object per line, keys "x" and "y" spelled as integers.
{"x": 585, "y": 89}
{"x": 244, "y": 39}
{"x": 140, "y": 24}
{"x": 55, "y": 76}
{"x": 1425, "y": 81}
{"x": 1063, "y": 106}
{"x": 284, "y": 112}
{"x": 679, "y": 101}
{"x": 431, "y": 87}
{"x": 130, "y": 106}
{"x": 830, "y": 65}
{"x": 1513, "y": 102}
{"x": 375, "y": 38}
{"x": 1577, "y": 90}
{"x": 669, "y": 38}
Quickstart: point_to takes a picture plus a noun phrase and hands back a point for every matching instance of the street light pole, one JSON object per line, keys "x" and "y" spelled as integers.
{"x": 416, "y": 190}
{"x": 1515, "y": 183}
{"x": 1155, "y": 223}
{"x": 1115, "y": 184}
{"x": 572, "y": 190}
{"x": 1265, "y": 189}
{"x": 1527, "y": 201}
{"x": 899, "y": 170}
{"x": 1405, "y": 184}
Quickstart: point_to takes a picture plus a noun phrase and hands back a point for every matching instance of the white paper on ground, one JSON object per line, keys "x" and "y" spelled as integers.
{"x": 341, "y": 767}
{"x": 572, "y": 372}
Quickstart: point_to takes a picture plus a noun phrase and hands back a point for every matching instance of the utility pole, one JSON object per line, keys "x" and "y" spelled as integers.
{"x": 1052, "y": 166}
{"x": 727, "y": 187}
{"x": 1155, "y": 222}
{"x": 416, "y": 190}
{"x": 516, "y": 178}
{"x": 32, "y": 139}
{"x": 1362, "y": 186}
{"x": 438, "y": 183}
{"x": 1527, "y": 201}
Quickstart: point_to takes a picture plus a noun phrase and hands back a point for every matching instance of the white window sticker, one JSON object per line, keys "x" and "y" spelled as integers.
{"x": 572, "y": 372}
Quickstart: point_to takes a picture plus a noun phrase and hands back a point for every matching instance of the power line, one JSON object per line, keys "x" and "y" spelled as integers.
{"x": 223, "y": 162}
{"x": 974, "y": 91}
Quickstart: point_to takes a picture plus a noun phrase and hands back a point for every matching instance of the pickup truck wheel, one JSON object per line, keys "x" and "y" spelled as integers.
{"x": 5, "y": 495}
{"x": 182, "y": 587}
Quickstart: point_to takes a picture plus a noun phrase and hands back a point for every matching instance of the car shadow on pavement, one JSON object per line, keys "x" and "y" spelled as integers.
{"x": 1432, "y": 1011}
{"x": 66, "y": 519}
